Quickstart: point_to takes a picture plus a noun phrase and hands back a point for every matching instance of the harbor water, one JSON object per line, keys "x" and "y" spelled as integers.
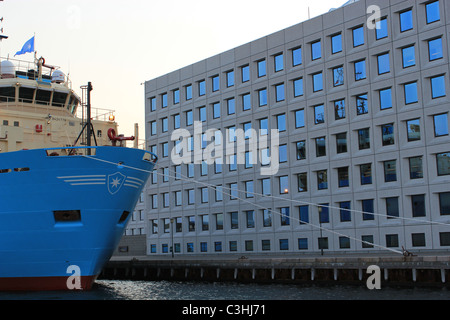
{"x": 170, "y": 290}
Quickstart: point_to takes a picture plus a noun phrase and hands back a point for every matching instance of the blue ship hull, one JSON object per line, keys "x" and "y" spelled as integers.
{"x": 61, "y": 217}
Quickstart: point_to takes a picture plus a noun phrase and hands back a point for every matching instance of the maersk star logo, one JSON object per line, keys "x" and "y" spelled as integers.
{"x": 115, "y": 182}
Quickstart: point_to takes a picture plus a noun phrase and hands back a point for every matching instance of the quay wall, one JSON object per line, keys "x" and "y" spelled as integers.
{"x": 395, "y": 270}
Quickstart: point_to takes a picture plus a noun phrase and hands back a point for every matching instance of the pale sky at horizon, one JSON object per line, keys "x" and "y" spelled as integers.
{"x": 117, "y": 45}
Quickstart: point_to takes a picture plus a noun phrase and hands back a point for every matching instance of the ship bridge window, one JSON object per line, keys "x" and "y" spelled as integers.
{"x": 59, "y": 99}
{"x": 73, "y": 104}
{"x": 26, "y": 95}
{"x": 7, "y": 94}
{"x": 43, "y": 97}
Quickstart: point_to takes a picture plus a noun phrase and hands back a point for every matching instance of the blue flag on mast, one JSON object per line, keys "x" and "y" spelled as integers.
{"x": 27, "y": 47}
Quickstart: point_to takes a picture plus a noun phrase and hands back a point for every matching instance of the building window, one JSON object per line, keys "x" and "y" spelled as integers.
{"x": 176, "y": 96}
{"x": 219, "y": 221}
{"x": 339, "y": 109}
{"x": 364, "y": 139}
{"x": 319, "y": 114}
{"x": 415, "y": 168}
{"x": 390, "y": 171}
{"x": 367, "y": 241}
{"x": 302, "y": 179}
{"x": 391, "y": 240}
{"x": 320, "y": 147}
{"x": 262, "y": 97}
{"x": 435, "y": 51}
{"x": 344, "y": 211}
{"x": 202, "y": 114}
{"x": 438, "y": 87}
{"x": 385, "y": 99}
{"x": 230, "y": 78}
{"x": 411, "y": 92}
{"x": 344, "y": 243}
{"x": 358, "y": 36}
{"x": 249, "y": 189}
{"x": 191, "y": 223}
{"x": 413, "y": 129}
{"x": 165, "y": 124}
{"x": 296, "y": 57}
{"x": 336, "y": 43}
{"x": 366, "y": 173}
{"x": 443, "y": 164}
{"x": 440, "y": 125}
{"x": 303, "y": 212}
{"x": 165, "y": 149}
{"x": 248, "y": 160}
{"x": 153, "y": 128}
{"x": 338, "y": 76}
{"x": 343, "y": 179}
{"x": 281, "y": 122}
{"x": 250, "y": 219}
{"x": 406, "y": 21}
{"x": 152, "y": 104}
{"x": 444, "y": 203}
{"x": 324, "y": 213}
{"x": 381, "y": 29}
{"x": 279, "y": 62}
{"x": 432, "y": 10}
{"x": 262, "y": 68}
{"x": 234, "y": 220}
{"x": 215, "y": 83}
{"x": 323, "y": 243}
{"x": 231, "y": 106}
{"x": 317, "y": 82}
{"x": 301, "y": 150}
{"x": 285, "y": 219}
{"x": 284, "y": 184}
{"x": 164, "y": 100}
{"x": 263, "y": 127}
{"x": 322, "y": 180}
{"x": 418, "y": 205}
{"x": 444, "y": 238}
{"x": 204, "y": 194}
{"x": 219, "y": 193}
{"x": 316, "y": 50}
{"x": 233, "y": 191}
{"x": 245, "y": 72}
{"x": 418, "y": 239}
{"x": 246, "y": 102}
{"x": 368, "y": 209}
{"x": 383, "y": 63}
{"x": 202, "y": 88}
{"x": 362, "y": 105}
{"x": 233, "y": 246}
{"x": 298, "y": 87}
{"x": 299, "y": 118}
{"x": 279, "y": 92}
{"x": 191, "y": 196}
{"x": 341, "y": 142}
{"x": 392, "y": 207}
{"x": 282, "y": 153}
{"x": 266, "y": 187}
{"x": 267, "y": 218}
{"x": 409, "y": 56}
{"x": 189, "y": 118}
{"x": 265, "y": 245}
{"x": 248, "y": 245}
{"x": 360, "y": 70}
{"x": 216, "y": 110}
{"x": 205, "y": 222}
{"x": 387, "y": 134}
{"x": 188, "y": 92}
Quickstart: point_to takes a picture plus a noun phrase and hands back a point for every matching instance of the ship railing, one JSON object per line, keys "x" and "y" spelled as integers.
{"x": 98, "y": 114}
{"x": 29, "y": 70}
{"x": 90, "y": 151}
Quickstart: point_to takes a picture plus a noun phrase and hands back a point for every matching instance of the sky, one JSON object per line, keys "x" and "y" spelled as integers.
{"x": 118, "y": 45}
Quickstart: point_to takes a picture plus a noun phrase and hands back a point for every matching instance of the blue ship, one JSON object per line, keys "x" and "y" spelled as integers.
{"x": 64, "y": 201}
{"x": 61, "y": 213}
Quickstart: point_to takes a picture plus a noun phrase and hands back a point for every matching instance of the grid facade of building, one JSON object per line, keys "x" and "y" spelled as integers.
{"x": 364, "y": 147}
